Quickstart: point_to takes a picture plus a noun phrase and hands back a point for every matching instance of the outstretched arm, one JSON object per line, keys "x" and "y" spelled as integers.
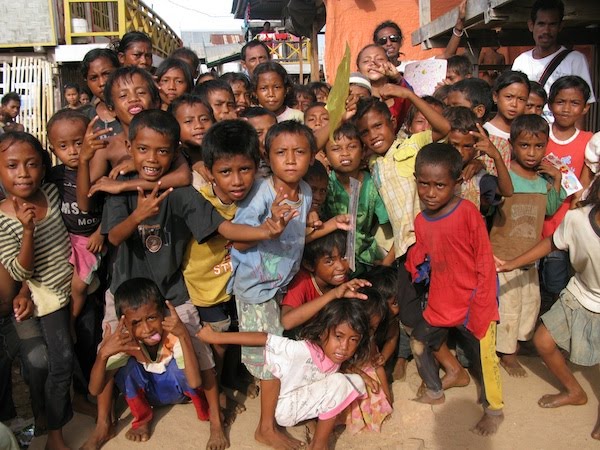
{"x": 536, "y": 252}
{"x": 457, "y": 33}
{"x": 248, "y": 338}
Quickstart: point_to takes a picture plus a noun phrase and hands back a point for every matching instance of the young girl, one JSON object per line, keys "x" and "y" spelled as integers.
{"x": 242, "y": 89}
{"x": 271, "y": 85}
{"x": 85, "y": 96}
{"x": 34, "y": 247}
{"x": 310, "y": 386}
{"x": 135, "y": 49}
{"x": 510, "y": 94}
{"x": 573, "y": 323}
{"x": 71, "y": 93}
{"x": 174, "y": 79}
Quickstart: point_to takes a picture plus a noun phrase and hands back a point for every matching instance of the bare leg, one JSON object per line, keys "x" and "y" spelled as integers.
{"x": 489, "y": 423}
{"x": 78, "y": 297}
{"x": 400, "y": 369}
{"x": 55, "y": 440}
{"x": 268, "y": 432}
{"x": 548, "y": 350}
{"x": 320, "y": 440}
{"x": 105, "y": 429}
{"x": 456, "y": 375}
{"x": 511, "y": 364}
{"x": 217, "y": 439}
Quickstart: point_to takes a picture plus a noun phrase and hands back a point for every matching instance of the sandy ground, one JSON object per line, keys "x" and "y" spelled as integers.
{"x": 412, "y": 426}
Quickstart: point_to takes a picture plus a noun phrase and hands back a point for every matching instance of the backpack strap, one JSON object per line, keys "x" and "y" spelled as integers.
{"x": 552, "y": 65}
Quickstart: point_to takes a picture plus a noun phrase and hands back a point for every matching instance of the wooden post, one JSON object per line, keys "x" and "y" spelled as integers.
{"x": 314, "y": 53}
{"x": 300, "y": 61}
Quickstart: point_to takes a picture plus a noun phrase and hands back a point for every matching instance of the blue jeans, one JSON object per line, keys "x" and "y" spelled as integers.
{"x": 555, "y": 271}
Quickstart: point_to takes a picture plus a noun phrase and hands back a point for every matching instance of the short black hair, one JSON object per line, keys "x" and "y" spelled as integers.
{"x": 313, "y": 105}
{"x": 290, "y": 127}
{"x": 127, "y": 73}
{"x": 230, "y": 138}
{"x": 375, "y": 304}
{"x": 190, "y": 99}
{"x": 316, "y": 171}
{"x": 547, "y": 5}
{"x": 319, "y": 86}
{"x": 385, "y": 279}
{"x": 440, "y": 154}
{"x": 236, "y": 77}
{"x": 531, "y": 124}
{"x": 98, "y": 53}
{"x": 388, "y": 24}
{"x": 257, "y": 111}
{"x": 569, "y": 82}
{"x": 136, "y": 292}
{"x": 71, "y": 85}
{"x": 413, "y": 110}
{"x": 509, "y": 77}
{"x": 186, "y": 53}
{"x": 11, "y": 96}
{"x": 347, "y": 130}
{"x": 461, "y": 118}
{"x": 324, "y": 246}
{"x": 176, "y": 63}
{"x": 251, "y": 44}
{"x": 461, "y": 65}
{"x": 295, "y": 91}
{"x": 477, "y": 92}
{"x": 537, "y": 89}
{"x": 271, "y": 66}
{"x": 204, "y": 90}
{"x": 72, "y": 115}
{"x": 131, "y": 38}
{"x": 157, "y": 120}
{"x": 367, "y": 104}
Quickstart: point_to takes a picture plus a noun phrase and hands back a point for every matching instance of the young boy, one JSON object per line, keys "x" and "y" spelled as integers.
{"x": 149, "y": 355}
{"x": 10, "y": 106}
{"x": 345, "y": 154}
{"x": 452, "y": 237}
{"x": 218, "y": 94}
{"x": 517, "y": 226}
{"x": 262, "y": 120}
{"x": 459, "y": 68}
{"x": 152, "y": 231}
{"x": 568, "y": 103}
{"x": 262, "y": 271}
{"x": 537, "y": 99}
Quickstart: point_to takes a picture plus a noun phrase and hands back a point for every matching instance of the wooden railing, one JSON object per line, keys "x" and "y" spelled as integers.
{"x": 111, "y": 19}
{"x": 286, "y": 48}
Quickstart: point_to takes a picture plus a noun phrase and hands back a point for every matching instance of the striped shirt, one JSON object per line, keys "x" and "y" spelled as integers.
{"x": 50, "y": 280}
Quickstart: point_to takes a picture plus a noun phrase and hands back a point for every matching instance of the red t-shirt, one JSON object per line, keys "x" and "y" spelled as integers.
{"x": 463, "y": 281}
{"x": 302, "y": 289}
{"x": 572, "y": 153}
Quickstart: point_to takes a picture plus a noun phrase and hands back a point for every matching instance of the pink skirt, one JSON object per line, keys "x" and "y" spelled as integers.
{"x": 85, "y": 263}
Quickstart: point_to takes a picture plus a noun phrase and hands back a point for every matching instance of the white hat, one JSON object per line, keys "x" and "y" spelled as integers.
{"x": 359, "y": 79}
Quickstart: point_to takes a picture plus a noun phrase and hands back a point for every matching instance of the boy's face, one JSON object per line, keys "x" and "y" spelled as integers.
{"x": 376, "y": 131}
{"x": 290, "y": 156}
{"x": 393, "y": 306}
{"x": 66, "y": 138}
{"x": 145, "y": 324}
{"x": 194, "y": 121}
{"x": 529, "y": 149}
{"x": 344, "y": 155}
{"x": 535, "y": 104}
{"x": 359, "y": 91}
{"x": 270, "y": 92}
{"x": 172, "y": 85}
{"x": 302, "y": 102}
{"x": 568, "y": 107}
{"x": 222, "y": 104}
{"x": 419, "y": 123}
{"x": 371, "y": 62}
{"x": 319, "y": 191}
{"x": 262, "y": 124}
{"x": 464, "y": 143}
{"x": 452, "y": 77}
{"x": 331, "y": 270}
{"x": 98, "y": 72}
{"x": 322, "y": 95}
{"x": 435, "y": 186}
{"x": 152, "y": 154}
{"x": 241, "y": 95}
{"x": 12, "y": 108}
{"x": 316, "y": 117}
{"x": 457, "y": 98}
{"x": 130, "y": 96}
{"x": 233, "y": 177}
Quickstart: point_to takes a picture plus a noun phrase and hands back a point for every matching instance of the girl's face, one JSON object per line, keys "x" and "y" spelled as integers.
{"x": 84, "y": 98}
{"x": 302, "y": 102}
{"x": 21, "y": 169}
{"x": 511, "y": 100}
{"x": 316, "y": 117}
{"x": 331, "y": 270}
{"x": 194, "y": 121}
{"x": 130, "y": 97}
{"x": 322, "y": 95}
{"x": 99, "y": 71}
{"x": 241, "y": 95}
{"x": 172, "y": 85}
{"x": 339, "y": 343}
{"x": 72, "y": 96}
{"x": 371, "y": 61}
{"x": 418, "y": 124}
{"x": 270, "y": 92}
{"x": 138, "y": 54}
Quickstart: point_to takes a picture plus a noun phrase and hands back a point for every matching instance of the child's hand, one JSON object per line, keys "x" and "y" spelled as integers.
{"x": 472, "y": 168}
{"x": 342, "y": 222}
{"x": 275, "y": 227}
{"x": 149, "y": 206}
{"x": 120, "y": 341}
{"x": 206, "y": 334}
{"x": 390, "y": 90}
{"x": 93, "y": 141}
{"x": 22, "y": 307}
{"x": 377, "y": 360}
{"x": 545, "y": 168}
{"x": 172, "y": 323}
{"x": 349, "y": 289}
{"x": 390, "y": 71}
{"x": 108, "y": 185}
{"x": 371, "y": 384}
{"x": 503, "y": 266}
{"x": 122, "y": 168}
{"x": 95, "y": 242}
{"x": 26, "y": 214}
{"x": 483, "y": 144}
{"x": 278, "y": 207}
{"x": 350, "y": 108}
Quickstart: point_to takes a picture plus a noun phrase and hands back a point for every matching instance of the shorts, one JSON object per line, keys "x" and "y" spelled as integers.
{"x": 188, "y": 315}
{"x": 219, "y": 316}
{"x": 575, "y": 329}
{"x": 259, "y": 317}
{"x": 85, "y": 263}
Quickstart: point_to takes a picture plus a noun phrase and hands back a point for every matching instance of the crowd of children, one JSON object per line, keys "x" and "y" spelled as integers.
{"x": 200, "y": 215}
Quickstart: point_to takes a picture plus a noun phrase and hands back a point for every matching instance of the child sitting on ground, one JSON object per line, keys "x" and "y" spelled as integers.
{"x": 150, "y": 355}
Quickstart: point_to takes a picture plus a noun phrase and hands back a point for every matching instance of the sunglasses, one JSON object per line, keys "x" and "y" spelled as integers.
{"x": 391, "y": 37}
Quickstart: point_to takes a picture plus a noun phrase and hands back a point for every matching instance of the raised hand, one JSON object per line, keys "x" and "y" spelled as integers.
{"x": 93, "y": 141}
{"x": 484, "y": 145}
{"x": 278, "y": 207}
{"x": 545, "y": 168}
{"x": 172, "y": 323}
{"x": 149, "y": 205}
{"x": 120, "y": 341}
{"x": 25, "y": 212}
{"x": 349, "y": 289}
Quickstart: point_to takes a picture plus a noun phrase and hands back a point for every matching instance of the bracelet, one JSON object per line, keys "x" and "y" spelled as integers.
{"x": 457, "y": 33}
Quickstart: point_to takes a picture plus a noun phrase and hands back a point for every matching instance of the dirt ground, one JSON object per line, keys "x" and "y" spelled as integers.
{"x": 412, "y": 426}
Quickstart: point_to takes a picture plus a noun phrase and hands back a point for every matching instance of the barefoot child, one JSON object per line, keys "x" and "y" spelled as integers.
{"x": 451, "y": 235}
{"x": 573, "y": 321}
{"x": 150, "y": 355}
{"x": 307, "y": 369}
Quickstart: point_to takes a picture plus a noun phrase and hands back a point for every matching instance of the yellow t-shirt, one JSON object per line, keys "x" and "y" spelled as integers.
{"x": 207, "y": 266}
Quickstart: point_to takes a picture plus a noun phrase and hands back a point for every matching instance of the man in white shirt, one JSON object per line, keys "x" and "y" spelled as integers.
{"x": 545, "y": 24}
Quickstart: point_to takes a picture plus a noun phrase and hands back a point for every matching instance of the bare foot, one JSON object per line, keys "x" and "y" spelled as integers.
{"x": 399, "y": 373}
{"x": 488, "y": 424}
{"x": 83, "y": 406}
{"x": 427, "y": 398}
{"x": 512, "y": 366}
{"x": 56, "y": 441}
{"x": 562, "y": 399}
{"x": 140, "y": 434}
{"x": 277, "y": 439}
{"x": 217, "y": 439}
{"x": 596, "y": 430}
{"x": 456, "y": 379}
{"x": 101, "y": 434}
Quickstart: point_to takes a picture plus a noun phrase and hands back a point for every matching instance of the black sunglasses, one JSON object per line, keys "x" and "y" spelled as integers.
{"x": 391, "y": 37}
